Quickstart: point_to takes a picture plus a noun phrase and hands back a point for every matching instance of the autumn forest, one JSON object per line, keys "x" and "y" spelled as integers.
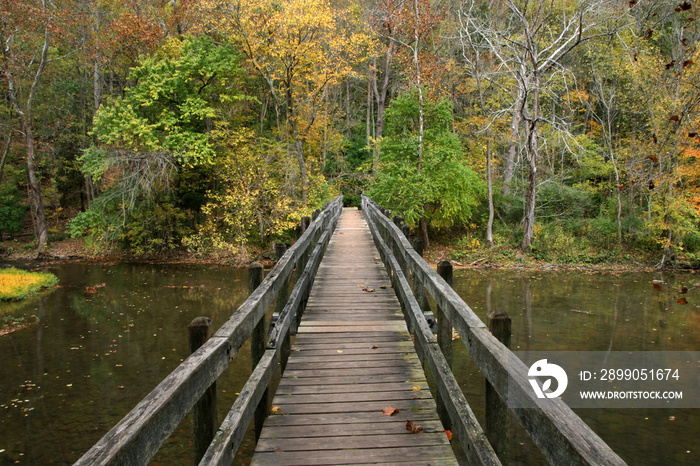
{"x": 557, "y": 130}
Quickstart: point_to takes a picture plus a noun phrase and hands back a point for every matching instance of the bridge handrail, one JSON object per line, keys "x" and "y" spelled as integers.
{"x": 230, "y": 434}
{"x": 558, "y": 432}
{"x": 474, "y": 442}
{"x": 136, "y": 438}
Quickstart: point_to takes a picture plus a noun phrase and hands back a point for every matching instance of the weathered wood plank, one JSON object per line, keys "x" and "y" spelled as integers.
{"x": 348, "y": 388}
{"x": 355, "y": 379}
{"x": 345, "y": 356}
{"x": 345, "y": 429}
{"x": 442, "y": 455}
{"x": 358, "y": 397}
{"x": 349, "y": 372}
{"x": 369, "y": 418}
{"x": 381, "y": 364}
{"x": 315, "y": 444}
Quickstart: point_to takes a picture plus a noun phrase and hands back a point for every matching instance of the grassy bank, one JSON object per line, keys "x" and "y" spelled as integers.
{"x": 553, "y": 247}
{"x": 16, "y": 284}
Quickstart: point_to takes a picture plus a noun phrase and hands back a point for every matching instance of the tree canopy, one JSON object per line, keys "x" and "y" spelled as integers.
{"x": 212, "y": 125}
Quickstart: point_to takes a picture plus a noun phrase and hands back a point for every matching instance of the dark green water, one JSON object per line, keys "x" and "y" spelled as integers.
{"x": 65, "y": 382}
{"x": 626, "y": 314}
{"x": 93, "y": 356}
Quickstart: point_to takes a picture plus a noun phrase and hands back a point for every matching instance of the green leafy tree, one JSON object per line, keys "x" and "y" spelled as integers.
{"x": 160, "y": 129}
{"x": 443, "y": 189}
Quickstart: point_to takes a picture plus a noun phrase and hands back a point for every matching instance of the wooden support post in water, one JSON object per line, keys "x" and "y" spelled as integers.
{"x": 497, "y": 416}
{"x": 204, "y": 411}
{"x": 282, "y": 297}
{"x": 257, "y": 346}
{"x": 444, "y": 269}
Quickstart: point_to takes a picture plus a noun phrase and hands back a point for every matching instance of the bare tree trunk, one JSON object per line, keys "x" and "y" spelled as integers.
{"x": 25, "y": 117}
{"x": 489, "y": 173}
{"x": 489, "y": 186}
{"x": 509, "y": 167}
{"x": 368, "y": 123}
{"x": 34, "y": 187}
{"x": 532, "y": 149}
{"x": 299, "y": 145}
{"x": 348, "y": 122}
{"x": 423, "y": 227}
{"x": 5, "y": 153}
{"x": 420, "y": 92}
{"x": 381, "y": 94}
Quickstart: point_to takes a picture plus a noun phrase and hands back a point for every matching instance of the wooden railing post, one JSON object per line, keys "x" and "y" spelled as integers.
{"x": 444, "y": 269}
{"x": 257, "y": 345}
{"x": 305, "y": 222}
{"x": 418, "y": 290}
{"x": 406, "y": 230}
{"x": 444, "y": 338}
{"x": 301, "y": 265}
{"x": 497, "y": 417}
{"x": 204, "y": 411}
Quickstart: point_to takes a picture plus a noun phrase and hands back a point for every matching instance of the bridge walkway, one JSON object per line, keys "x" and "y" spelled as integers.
{"x": 351, "y": 361}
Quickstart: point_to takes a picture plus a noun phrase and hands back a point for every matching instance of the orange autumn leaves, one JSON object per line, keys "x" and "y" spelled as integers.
{"x": 411, "y": 426}
{"x": 659, "y": 286}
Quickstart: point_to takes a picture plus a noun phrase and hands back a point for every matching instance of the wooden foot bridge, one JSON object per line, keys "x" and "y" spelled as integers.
{"x": 353, "y": 388}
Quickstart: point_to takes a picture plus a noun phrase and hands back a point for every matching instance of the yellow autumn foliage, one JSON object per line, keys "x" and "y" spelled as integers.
{"x": 19, "y": 284}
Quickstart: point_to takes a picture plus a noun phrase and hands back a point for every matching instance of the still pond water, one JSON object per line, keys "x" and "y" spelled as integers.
{"x": 96, "y": 352}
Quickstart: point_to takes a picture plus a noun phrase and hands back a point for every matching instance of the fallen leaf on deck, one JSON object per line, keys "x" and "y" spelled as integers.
{"x": 368, "y": 290}
{"x": 374, "y": 347}
{"x": 338, "y": 351}
{"x": 383, "y": 287}
{"x": 413, "y": 428}
{"x": 415, "y": 388}
{"x": 275, "y": 409}
{"x": 449, "y": 434}
{"x": 390, "y": 411}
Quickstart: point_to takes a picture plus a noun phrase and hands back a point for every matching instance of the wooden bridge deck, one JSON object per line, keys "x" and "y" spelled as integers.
{"x": 352, "y": 358}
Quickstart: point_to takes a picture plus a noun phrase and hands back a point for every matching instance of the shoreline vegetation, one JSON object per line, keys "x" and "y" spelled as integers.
{"x": 443, "y": 248}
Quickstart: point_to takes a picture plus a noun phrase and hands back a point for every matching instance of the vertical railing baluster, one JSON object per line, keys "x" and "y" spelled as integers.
{"x": 497, "y": 418}
{"x": 204, "y": 411}
{"x": 257, "y": 346}
{"x": 282, "y": 298}
{"x": 444, "y": 339}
